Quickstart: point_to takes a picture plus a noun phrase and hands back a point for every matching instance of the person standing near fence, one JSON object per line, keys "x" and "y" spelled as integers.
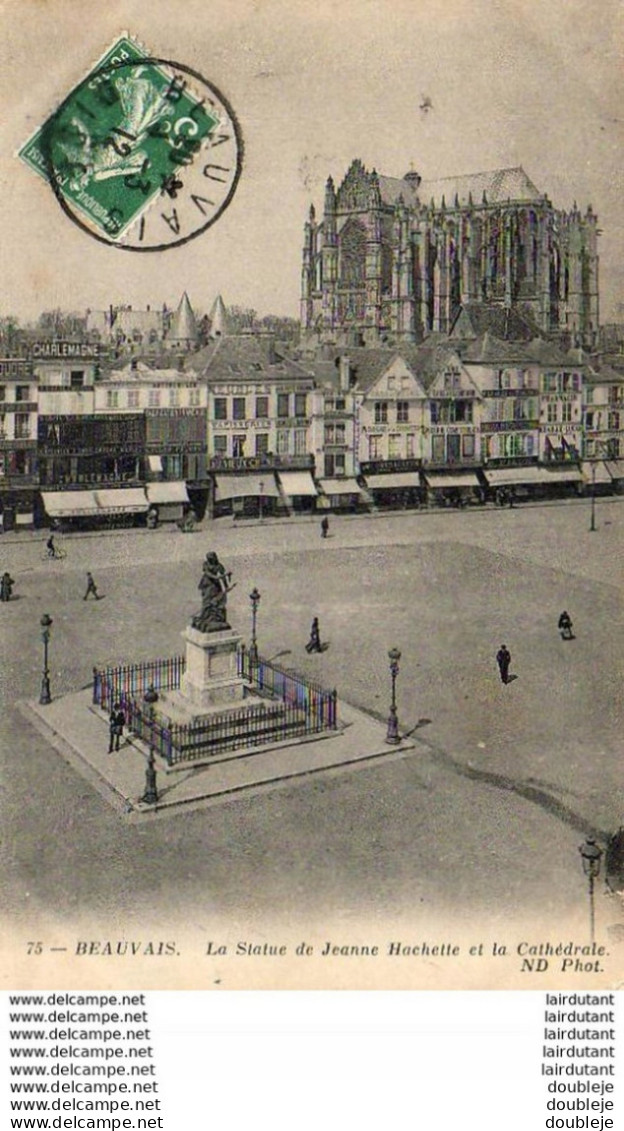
{"x": 116, "y": 723}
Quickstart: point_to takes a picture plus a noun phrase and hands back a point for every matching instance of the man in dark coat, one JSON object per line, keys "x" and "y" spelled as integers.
{"x": 314, "y": 643}
{"x": 6, "y": 587}
{"x": 503, "y": 659}
{"x": 91, "y": 588}
{"x": 565, "y": 626}
{"x": 325, "y": 527}
{"x": 116, "y": 724}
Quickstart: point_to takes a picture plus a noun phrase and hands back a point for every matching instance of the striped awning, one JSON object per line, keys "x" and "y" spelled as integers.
{"x": 245, "y": 486}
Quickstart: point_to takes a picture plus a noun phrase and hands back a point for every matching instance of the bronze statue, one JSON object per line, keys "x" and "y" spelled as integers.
{"x": 214, "y": 587}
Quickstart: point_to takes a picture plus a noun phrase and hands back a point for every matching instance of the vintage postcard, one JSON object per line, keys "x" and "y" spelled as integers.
{"x": 312, "y": 495}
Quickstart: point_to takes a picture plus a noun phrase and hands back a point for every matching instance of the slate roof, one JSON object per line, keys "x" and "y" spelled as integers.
{"x": 499, "y": 186}
{"x": 506, "y": 323}
{"x": 490, "y": 350}
{"x": 367, "y": 365}
{"x": 603, "y": 375}
{"x": 425, "y": 361}
{"x": 245, "y": 357}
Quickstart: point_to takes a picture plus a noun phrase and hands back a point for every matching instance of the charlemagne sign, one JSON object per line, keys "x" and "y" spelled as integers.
{"x": 84, "y": 351}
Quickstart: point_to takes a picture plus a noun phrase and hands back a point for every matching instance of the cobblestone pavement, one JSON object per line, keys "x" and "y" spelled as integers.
{"x": 481, "y": 823}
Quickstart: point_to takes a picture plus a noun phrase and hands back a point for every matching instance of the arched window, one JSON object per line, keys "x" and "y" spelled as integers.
{"x": 352, "y": 254}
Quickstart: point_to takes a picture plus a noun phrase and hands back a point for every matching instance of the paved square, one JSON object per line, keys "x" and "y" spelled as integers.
{"x": 480, "y": 823}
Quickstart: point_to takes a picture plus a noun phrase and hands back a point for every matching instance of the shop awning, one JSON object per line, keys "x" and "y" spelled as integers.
{"x": 392, "y": 481}
{"x": 457, "y": 479}
{"x": 245, "y": 486}
{"x": 297, "y": 483}
{"x": 69, "y": 504}
{"x": 132, "y": 500}
{"x": 339, "y": 486}
{"x": 154, "y": 463}
{"x": 563, "y": 475}
{"x": 596, "y": 471}
{"x": 167, "y": 493}
{"x": 615, "y": 467}
{"x": 508, "y": 476}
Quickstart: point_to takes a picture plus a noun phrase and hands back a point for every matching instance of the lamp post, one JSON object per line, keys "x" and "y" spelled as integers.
{"x": 392, "y": 733}
{"x": 46, "y": 626}
{"x": 591, "y": 855}
{"x": 254, "y": 597}
{"x": 260, "y": 499}
{"x": 150, "y": 796}
{"x": 592, "y": 524}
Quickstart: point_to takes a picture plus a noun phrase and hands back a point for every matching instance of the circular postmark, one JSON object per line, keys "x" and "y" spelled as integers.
{"x": 144, "y": 155}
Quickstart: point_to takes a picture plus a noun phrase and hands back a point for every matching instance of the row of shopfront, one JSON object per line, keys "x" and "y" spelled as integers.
{"x": 257, "y": 494}
{"x": 262, "y": 492}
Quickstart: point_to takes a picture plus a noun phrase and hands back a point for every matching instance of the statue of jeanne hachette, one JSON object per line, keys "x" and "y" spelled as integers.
{"x": 214, "y": 586}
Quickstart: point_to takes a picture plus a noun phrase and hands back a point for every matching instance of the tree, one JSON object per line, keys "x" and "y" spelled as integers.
{"x": 285, "y": 329}
{"x": 240, "y": 318}
{"x": 61, "y": 324}
{"x": 10, "y": 334}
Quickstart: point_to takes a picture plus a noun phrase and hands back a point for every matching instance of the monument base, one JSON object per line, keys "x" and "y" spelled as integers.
{"x": 211, "y": 676}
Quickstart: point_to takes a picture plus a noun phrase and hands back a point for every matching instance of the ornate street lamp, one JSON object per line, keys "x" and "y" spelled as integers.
{"x": 591, "y": 855}
{"x": 392, "y": 733}
{"x": 46, "y": 626}
{"x": 254, "y": 597}
{"x": 150, "y": 796}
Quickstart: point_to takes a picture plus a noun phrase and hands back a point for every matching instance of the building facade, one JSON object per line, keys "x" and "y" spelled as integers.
{"x": 395, "y": 258}
{"x": 259, "y": 418}
{"x": 18, "y": 442}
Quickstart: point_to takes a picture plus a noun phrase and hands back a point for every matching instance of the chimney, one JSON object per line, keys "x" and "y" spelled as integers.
{"x": 344, "y": 371}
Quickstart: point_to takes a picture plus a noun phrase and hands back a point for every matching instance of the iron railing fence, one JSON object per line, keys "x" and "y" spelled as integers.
{"x": 292, "y": 706}
{"x": 130, "y": 681}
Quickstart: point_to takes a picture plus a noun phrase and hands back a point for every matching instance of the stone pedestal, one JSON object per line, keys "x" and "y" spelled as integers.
{"x": 211, "y": 677}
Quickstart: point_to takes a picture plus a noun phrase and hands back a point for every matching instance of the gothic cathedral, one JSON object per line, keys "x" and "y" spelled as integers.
{"x": 395, "y": 260}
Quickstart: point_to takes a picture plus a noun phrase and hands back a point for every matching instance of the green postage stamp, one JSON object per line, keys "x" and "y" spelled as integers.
{"x": 144, "y": 153}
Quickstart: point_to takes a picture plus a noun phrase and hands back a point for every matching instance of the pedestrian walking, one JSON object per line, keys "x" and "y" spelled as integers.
{"x": 51, "y": 547}
{"x": 6, "y": 586}
{"x": 116, "y": 723}
{"x": 503, "y": 659}
{"x": 325, "y": 527}
{"x": 91, "y": 588}
{"x": 564, "y": 625}
{"x": 314, "y": 643}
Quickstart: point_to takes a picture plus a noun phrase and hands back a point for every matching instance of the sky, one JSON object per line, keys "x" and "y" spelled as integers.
{"x": 315, "y": 84}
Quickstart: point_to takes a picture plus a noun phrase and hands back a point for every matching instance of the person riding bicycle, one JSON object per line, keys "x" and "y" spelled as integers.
{"x": 51, "y": 547}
